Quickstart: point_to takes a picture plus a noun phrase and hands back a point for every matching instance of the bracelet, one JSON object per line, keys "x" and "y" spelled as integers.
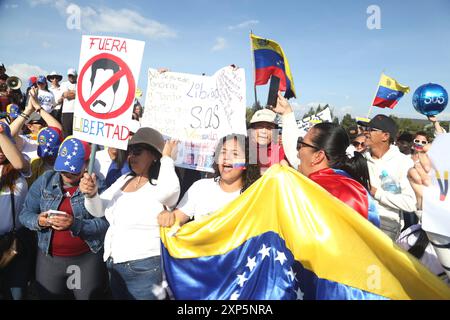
{"x": 24, "y": 115}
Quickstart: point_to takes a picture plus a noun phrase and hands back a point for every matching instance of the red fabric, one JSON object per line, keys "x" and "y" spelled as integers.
{"x": 344, "y": 188}
{"x": 262, "y": 76}
{"x": 383, "y": 103}
{"x": 271, "y": 155}
{"x": 64, "y": 244}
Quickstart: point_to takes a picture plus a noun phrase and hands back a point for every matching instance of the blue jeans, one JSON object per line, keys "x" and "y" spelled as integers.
{"x": 134, "y": 280}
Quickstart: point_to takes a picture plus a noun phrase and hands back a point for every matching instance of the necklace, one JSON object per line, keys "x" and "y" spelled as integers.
{"x": 138, "y": 182}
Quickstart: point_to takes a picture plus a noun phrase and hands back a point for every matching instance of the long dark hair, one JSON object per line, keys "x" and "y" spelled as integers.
{"x": 251, "y": 172}
{"x": 153, "y": 171}
{"x": 334, "y": 141}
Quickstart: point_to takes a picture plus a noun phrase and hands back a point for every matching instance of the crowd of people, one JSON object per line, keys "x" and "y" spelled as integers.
{"x": 107, "y": 223}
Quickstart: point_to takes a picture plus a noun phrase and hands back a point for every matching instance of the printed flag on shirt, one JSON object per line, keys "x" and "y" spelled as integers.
{"x": 287, "y": 238}
{"x": 389, "y": 92}
{"x": 270, "y": 60}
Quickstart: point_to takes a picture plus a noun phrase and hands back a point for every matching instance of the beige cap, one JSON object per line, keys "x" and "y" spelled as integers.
{"x": 148, "y": 136}
{"x": 264, "y": 115}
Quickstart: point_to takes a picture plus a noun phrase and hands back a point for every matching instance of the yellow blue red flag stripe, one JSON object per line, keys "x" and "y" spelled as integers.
{"x": 288, "y": 238}
{"x": 389, "y": 92}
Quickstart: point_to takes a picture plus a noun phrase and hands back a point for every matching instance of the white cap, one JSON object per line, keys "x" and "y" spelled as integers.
{"x": 264, "y": 115}
{"x": 72, "y": 71}
{"x": 134, "y": 126}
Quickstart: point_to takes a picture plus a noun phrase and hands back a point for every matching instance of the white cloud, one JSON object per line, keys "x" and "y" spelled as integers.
{"x": 243, "y": 25}
{"x": 24, "y": 71}
{"x": 104, "y": 19}
{"x": 220, "y": 44}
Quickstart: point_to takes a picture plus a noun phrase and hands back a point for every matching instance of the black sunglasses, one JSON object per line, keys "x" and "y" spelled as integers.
{"x": 356, "y": 144}
{"x": 301, "y": 143}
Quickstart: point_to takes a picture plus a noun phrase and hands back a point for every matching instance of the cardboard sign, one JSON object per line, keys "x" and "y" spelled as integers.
{"x": 197, "y": 110}
{"x": 436, "y": 198}
{"x": 109, "y": 71}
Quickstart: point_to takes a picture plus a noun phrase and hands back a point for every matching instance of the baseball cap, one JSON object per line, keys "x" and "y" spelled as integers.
{"x": 148, "y": 136}
{"x": 49, "y": 139}
{"x": 72, "y": 155}
{"x": 41, "y": 79}
{"x": 382, "y": 122}
{"x": 13, "y": 110}
{"x": 72, "y": 72}
{"x": 32, "y": 80}
{"x": 264, "y": 115}
{"x": 7, "y": 130}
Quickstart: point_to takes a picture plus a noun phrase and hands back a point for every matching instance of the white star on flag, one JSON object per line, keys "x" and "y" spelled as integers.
{"x": 50, "y": 140}
{"x": 72, "y": 168}
{"x": 265, "y": 251}
{"x": 291, "y": 274}
{"x": 299, "y": 294}
{"x": 74, "y": 153}
{"x": 281, "y": 257}
{"x": 251, "y": 263}
{"x": 242, "y": 279}
{"x": 45, "y": 150}
{"x": 69, "y": 157}
{"x": 50, "y": 153}
{"x": 48, "y": 144}
{"x": 234, "y": 296}
{"x": 66, "y": 163}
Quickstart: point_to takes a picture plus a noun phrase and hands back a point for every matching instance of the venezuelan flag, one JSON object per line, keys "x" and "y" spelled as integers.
{"x": 287, "y": 238}
{"x": 270, "y": 60}
{"x": 389, "y": 92}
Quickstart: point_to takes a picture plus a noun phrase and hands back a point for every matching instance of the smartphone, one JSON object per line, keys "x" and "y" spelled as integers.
{"x": 273, "y": 91}
{"x": 52, "y": 213}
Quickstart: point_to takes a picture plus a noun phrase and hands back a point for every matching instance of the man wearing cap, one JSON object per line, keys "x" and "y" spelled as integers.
{"x": 68, "y": 89}
{"x": 263, "y": 129}
{"x": 385, "y": 159}
{"x": 45, "y": 97}
{"x": 55, "y": 88}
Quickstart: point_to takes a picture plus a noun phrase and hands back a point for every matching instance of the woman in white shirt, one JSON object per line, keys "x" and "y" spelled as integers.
{"x": 233, "y": 175}
{"x": 131, "y": 206}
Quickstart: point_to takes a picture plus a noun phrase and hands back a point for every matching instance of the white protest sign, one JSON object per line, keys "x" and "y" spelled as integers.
{"x": 197, "y": 110}
{"x": 306, "y": 123}
{"x": 436, "y": 198}
{"x": 108, "y": 76}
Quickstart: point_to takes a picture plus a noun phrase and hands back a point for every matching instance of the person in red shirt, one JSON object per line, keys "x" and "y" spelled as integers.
{"x": 263, "y": 131}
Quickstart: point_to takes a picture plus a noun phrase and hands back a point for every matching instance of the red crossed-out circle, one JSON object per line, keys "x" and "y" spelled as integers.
{"x": 124, "y": 71}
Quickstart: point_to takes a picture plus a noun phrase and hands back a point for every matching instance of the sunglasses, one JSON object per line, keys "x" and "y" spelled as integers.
{"x": 301, "y": 143}
{"x": 422, "y": 142}
{"x": 356, "y": 144}
{"x": 136, "y": 150}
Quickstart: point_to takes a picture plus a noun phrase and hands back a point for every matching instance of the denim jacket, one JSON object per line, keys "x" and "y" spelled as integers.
{"x": 45, "y": 194}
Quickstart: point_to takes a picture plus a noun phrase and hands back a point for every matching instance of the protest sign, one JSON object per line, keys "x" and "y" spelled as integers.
{"x": 436, "y": 199}
{"x": 306, "y": 123}
{"x": 197, "y": 110}
{"x": 109, "y": 71}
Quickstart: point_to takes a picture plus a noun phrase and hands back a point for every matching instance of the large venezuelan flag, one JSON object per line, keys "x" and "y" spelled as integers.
{"x": 287, "y": 238}
{"x": 389, "y": 92}
{"x": 270, "y": 60}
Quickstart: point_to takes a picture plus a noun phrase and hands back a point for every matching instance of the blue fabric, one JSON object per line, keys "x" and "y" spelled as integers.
{"x": 46, "y": 194}
{"x": 389, "y": 94}
{"x": 135, "y": 280}
{"x": 246, "y": 273}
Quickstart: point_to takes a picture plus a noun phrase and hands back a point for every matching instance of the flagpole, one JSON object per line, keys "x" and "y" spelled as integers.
{"x": 254, "y": 70}
{"x": 374, "y": 96}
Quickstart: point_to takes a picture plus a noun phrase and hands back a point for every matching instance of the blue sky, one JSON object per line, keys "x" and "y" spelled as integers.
{"x": 334, "y": 57}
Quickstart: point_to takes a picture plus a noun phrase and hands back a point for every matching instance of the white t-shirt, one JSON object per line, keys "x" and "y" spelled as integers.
{"x": 46, "y": 100}
{"x": 57, "y": 93}
{"x": 205, "y": 197}
{"x": 21, "y": 189}
{"x": 68, "y": 105}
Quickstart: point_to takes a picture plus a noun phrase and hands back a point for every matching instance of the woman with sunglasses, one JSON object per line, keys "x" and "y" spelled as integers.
{"x": 233, "y": 175}
{"x": 360, "y": 143}
{"x": 323, "y": 159}
{"x": 131, "y": 206}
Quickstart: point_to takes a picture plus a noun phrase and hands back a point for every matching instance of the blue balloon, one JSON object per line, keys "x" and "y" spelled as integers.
{"x": 430, "y": 99}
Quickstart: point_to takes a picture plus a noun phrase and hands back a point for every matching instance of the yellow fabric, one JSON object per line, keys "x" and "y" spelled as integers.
{"x": 391, "y": 83}
{"x": 324, "y": 234}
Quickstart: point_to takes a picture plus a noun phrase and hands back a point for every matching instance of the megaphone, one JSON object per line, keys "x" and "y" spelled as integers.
{"x": 13, "y": 83}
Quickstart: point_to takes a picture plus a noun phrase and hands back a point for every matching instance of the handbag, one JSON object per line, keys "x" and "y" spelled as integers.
{"x": 9, "y": 243}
